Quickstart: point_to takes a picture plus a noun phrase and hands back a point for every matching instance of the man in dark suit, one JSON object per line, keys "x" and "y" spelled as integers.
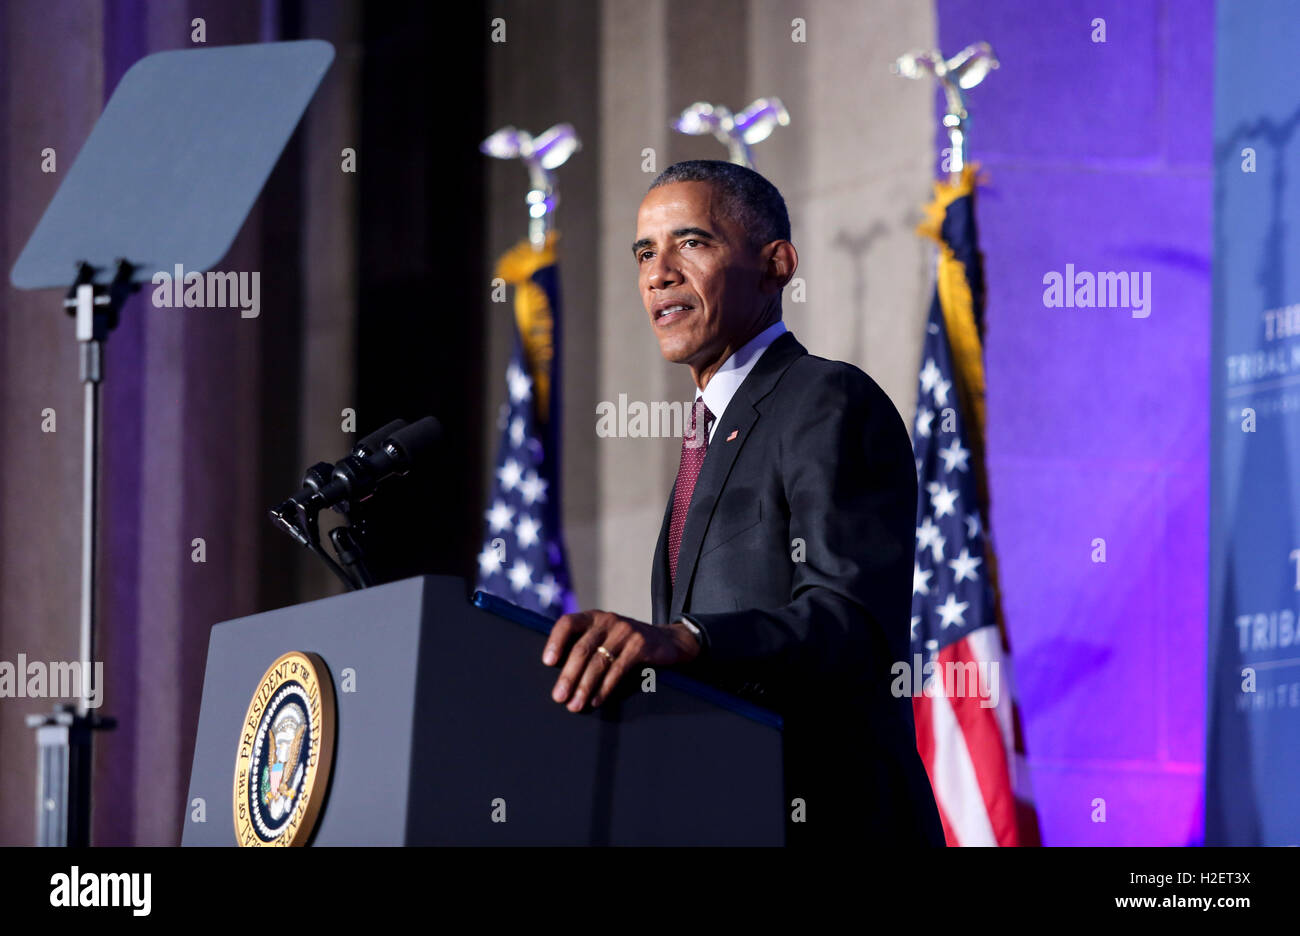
{"x": 784, "y": 564}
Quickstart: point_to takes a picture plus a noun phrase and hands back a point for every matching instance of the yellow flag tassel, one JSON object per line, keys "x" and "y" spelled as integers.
{"x": 955, "y": 299}
{"x": 533, "y": 313}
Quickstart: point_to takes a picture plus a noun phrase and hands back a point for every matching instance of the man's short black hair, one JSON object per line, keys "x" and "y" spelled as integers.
{"x": 748, "y": 199}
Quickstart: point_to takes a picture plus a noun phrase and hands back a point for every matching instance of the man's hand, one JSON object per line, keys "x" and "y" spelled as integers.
{"x": 589, "y": 673}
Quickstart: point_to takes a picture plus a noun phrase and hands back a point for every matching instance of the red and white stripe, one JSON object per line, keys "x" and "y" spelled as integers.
{"x": 973, "y": 751}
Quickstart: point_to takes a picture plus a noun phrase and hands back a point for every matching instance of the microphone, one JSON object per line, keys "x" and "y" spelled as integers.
{"x": 385, "y": 454}
{"x": 319, "y": 474}
{"x": 390, "y": 452}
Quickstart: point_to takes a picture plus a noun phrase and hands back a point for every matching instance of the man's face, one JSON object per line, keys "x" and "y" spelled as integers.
{"x": 688, "y": 254}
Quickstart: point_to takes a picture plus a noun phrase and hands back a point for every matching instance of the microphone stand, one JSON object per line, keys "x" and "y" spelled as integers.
{"x": 302, "y": 523}
{"x": 348, "y": 544}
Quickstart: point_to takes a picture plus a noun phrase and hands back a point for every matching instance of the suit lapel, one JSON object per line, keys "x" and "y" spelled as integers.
{"x": 713, "y": 476}
{"x": 736, "y": 422}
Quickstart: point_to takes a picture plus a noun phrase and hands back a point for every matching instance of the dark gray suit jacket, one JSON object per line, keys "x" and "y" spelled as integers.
{"x": 796, "y": 562}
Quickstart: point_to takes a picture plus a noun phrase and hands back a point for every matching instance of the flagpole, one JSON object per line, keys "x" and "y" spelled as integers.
{"x": 738, "y": 132}
{"x": 956, "y": 76}
{"x": 542, "y": 155}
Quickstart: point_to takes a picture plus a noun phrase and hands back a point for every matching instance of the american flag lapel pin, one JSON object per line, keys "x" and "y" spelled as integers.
{"x": 734, "y": 433}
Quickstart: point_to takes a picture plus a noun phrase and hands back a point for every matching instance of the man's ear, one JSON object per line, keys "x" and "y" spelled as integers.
{"x": 780, "y": 260}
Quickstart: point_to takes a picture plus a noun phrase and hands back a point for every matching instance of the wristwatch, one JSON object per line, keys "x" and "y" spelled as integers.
{"x": 695, "y": 629}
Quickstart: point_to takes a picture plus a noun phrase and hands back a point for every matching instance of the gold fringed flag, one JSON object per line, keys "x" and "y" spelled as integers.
{"x": 967, "y": 723}
{"x": 523, "y": 558}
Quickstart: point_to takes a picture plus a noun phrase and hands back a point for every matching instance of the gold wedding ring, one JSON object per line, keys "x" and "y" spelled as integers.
{"x": 609, "y": 656}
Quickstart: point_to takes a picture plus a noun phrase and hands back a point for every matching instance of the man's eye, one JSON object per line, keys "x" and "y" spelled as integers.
{"x": 690, "y": 240}
{"x": 643, "y": 256}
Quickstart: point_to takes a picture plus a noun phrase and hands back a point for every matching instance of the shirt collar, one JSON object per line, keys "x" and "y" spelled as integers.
{"x": 726, "y": 381}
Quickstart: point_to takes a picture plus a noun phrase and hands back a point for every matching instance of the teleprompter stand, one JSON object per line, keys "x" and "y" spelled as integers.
{"x": 63, "y": 739}
{"x": 161, "y": 183}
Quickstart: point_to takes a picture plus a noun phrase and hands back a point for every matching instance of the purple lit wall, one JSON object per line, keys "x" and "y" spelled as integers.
{"x": 1099, "y": 155}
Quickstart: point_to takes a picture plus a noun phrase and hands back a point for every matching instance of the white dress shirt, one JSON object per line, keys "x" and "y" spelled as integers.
{"x": 722, "y": 386}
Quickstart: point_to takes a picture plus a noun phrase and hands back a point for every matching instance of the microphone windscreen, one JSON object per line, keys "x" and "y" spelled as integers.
{"x": 375, "y": 441}
{"x": 417, "y": 441}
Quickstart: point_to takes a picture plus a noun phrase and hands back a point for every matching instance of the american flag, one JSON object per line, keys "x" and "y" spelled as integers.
{"x": 967, "y": 725}
{"x": 523, "y": 557}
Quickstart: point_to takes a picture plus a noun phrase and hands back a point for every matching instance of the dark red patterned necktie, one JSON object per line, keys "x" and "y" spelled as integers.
{"x": 694, "y": 445}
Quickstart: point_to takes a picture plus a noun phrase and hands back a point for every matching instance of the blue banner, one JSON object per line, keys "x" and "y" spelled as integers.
{"x": 1253, "y": 723}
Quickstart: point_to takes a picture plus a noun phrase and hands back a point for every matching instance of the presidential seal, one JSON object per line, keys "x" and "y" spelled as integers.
{"x": 286, "y": 748}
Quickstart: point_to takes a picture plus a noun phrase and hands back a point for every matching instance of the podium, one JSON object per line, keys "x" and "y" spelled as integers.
{"x": 446, "y": 734}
